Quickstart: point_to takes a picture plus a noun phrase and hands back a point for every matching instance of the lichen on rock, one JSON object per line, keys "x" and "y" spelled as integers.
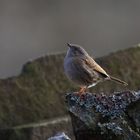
{"x": 105, "y": 114}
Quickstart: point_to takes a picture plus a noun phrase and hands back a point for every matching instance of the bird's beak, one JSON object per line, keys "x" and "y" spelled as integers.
{"x": 69, "y": 45}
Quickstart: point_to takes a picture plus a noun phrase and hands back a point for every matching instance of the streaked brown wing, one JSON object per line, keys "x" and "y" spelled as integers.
{"x": 92, "y": 64}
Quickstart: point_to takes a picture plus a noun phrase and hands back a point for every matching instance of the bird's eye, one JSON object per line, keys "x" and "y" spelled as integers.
{"x": 76, "y": 50}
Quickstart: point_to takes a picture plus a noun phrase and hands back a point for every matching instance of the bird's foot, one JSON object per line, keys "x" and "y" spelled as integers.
{"x": 81, "y": 92}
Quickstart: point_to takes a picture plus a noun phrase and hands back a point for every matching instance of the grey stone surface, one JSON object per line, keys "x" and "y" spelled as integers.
{"x": 60, "y": 136}
{"x": 105, "y": 117}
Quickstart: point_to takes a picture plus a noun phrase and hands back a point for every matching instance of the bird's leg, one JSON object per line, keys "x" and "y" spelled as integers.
{"x": 82, "y": 91}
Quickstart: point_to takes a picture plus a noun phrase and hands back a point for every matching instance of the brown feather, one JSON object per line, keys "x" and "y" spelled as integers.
{"x": 86, "y": 74}
{"x": 91, "y": 63}
{"x": 118, "y": 80}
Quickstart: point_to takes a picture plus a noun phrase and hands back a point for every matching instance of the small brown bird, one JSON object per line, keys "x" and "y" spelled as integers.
{"x": 80, "y": 68}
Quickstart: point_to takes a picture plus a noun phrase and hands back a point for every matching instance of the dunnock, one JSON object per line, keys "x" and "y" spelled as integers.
{"x": 80, "y": 68}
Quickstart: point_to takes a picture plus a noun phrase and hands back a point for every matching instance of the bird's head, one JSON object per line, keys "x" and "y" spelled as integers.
{"x": 75, "y": 50}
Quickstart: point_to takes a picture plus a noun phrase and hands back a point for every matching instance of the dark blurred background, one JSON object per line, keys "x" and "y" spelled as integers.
{"x": 32, "y": 28}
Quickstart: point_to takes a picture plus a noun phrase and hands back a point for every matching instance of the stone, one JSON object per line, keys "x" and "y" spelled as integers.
{"x": 105, "y": 117}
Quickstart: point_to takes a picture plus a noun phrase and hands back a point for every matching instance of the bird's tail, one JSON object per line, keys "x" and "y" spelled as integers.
{"x": 118, "y": 80}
